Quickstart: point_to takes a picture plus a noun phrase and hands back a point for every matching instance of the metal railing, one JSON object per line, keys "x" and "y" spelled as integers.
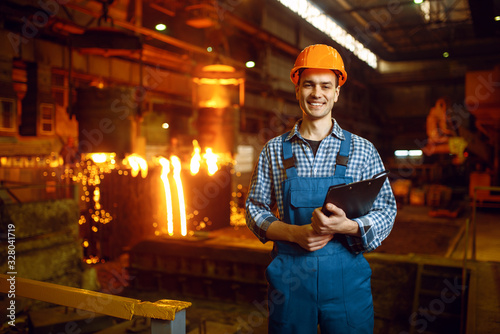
{"x": 474, "y": 208}
{"x": 167, "y": 316}
{"x": 58, "y": 191}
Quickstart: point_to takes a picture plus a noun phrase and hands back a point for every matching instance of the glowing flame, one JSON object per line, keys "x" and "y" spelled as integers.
{"x": 176, "y": 163}
{"x": 196, "y": 159}
{"x": 211, "y": 159}
{"x": 137, "y": 163}
{"x": 168, "y": 196}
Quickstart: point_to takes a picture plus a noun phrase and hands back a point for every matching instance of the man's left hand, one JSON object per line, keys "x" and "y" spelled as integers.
{"x": 337, "y": 222}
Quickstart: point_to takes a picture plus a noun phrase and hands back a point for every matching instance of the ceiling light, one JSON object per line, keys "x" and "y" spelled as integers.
{"x": 165, "y": 126}
{"x": 497, "y": 18}
{"x": 446, "y": 54}
{"x": 310, "y": 12}
{"x": 250, "y": 64}
{"x": 408, "y": 153}
{"x": 418, "y": 2}
{"x": 160, "y": 27}
{"x": 209, "y": 49}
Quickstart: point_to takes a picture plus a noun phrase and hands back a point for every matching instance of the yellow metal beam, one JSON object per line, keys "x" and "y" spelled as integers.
{"x": 115, "y": 306}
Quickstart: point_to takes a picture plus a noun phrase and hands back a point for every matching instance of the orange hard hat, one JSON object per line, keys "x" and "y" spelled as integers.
{"x": 319, "y": 56}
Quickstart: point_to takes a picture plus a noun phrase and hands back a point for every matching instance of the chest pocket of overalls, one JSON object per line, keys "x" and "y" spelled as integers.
{"x": 304, "y": 195}
{"x": 306, "y": 199}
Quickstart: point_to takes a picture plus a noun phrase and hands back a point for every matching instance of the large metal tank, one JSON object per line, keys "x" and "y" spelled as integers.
{"x": 106, "y": 119}
{"x": 217, "y": 128}
{"x": 218, "y": 94}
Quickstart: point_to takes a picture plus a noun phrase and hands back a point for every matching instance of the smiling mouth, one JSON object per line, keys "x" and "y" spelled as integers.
{"x": 315, "y": 104}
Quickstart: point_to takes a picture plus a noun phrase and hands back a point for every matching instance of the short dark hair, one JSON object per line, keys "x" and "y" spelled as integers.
{"x": 300, "y": 70}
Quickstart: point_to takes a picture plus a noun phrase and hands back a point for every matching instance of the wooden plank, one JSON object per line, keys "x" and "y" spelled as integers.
{"x": 115, "y": 306}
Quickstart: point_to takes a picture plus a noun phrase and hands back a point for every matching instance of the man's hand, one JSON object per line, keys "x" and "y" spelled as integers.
{"x": 307, "y": 238}
{"x": 303, "y": 235}
{"x": 337, "y": 222}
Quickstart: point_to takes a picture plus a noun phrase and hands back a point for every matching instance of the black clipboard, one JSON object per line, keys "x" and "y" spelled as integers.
{"x": 356, "y": 198}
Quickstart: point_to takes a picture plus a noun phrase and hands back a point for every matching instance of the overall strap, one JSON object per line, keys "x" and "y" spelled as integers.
{"x": 288, "y": 158}
{"x": 343, "y": 155}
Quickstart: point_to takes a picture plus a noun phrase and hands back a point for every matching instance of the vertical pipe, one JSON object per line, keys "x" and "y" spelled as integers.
{"x": 138, "y": 13}
{"x": 70, "y": 82}
{"x": 496, "y": 149}
{"x": 463, "y": 309}
{"x": 474, "y": 224}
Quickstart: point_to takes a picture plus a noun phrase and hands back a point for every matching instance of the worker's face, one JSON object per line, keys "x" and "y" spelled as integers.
{"x": 317, "y": 92}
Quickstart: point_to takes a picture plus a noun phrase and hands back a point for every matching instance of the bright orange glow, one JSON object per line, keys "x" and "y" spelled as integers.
{"x": 214, "y": 96}
{"x": 137, "y": 163}
{"x": 219, "y": 81}
{"x": 211, "y": 159}
{"x": 218, "y": 68}
{"x": 165, "y": 164}
{"x": 99, "y": 158}
{"x": 196, "y": 159}
{"x": 215, "y": 93}
{"x": 54, "y": 162}
{"x": 176, "y": 163}
{"x": 216, "y": 102}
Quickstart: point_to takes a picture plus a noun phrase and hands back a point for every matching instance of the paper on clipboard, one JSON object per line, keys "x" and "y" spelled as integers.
{"x": 356, "y": 198}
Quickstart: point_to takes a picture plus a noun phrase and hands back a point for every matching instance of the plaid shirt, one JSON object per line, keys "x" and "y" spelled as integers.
{"x": 266, "y": 191}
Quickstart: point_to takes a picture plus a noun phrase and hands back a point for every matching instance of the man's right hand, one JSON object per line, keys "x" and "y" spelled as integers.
{"x": 307, "y": 238}
{"x": 304, "y": 235}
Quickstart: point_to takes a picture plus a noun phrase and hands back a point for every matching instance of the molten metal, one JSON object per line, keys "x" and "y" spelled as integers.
{"x": 176, "y": 163}
{"x": 196, "y": 159}
{"x": 211, "y": 159}
{"x": 168, "y": 196}
{"x": 137, "y": 163}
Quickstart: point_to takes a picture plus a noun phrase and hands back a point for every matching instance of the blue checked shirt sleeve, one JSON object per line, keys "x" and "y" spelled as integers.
{"x": 377, "y": 224}
{"x": 261, "y": 200}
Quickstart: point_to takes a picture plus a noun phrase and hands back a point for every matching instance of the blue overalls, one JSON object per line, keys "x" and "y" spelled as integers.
{"x": 330, "y": 286}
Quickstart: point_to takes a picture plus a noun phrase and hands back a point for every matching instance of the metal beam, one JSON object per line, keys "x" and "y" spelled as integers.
{"x": 97, "y": 302}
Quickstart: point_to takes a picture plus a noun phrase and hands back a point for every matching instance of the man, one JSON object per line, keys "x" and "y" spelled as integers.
{"x": 318, "y": 275}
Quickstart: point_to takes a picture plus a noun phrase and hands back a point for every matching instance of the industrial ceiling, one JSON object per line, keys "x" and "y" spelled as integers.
{"x": 395, "y": 30}
{"x": 398, "y": 30}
